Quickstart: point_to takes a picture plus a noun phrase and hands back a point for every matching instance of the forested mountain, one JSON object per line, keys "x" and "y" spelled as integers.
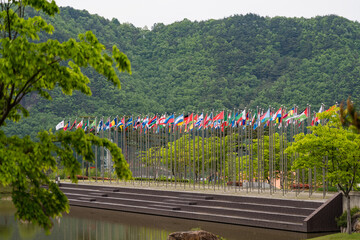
{"x": 236, "y": 62}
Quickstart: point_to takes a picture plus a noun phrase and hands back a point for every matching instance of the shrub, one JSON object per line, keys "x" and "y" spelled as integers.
{"x": 342, "y": 221}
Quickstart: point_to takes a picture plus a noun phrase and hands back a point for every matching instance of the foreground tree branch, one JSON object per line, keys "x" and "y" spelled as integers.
{"x": 28, "y": 66}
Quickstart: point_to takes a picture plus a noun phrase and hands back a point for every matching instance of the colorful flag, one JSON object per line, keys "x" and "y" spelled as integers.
{"x": 227, "y": 119}
{"x": 217, "y": 124}
{"x": 303, "y": 115}
{"x": 113, "y": 123}
{"x": 152, "y": 122}
{"x": 92, "y": 126}
{"x": 277, "y": 116}
{"x": 241, "y": 119}
{"x": 253, "y": 119}
{"x": 60, "y": 125}
{"x": 162, "y": 120}
{"x": 137, "y": 123}
{"x": 316, "y": 119}
{"x": 188, "y": 119}
{"x": 80, "y": 124}
{"x": 107, "y": 125}
{"x": 67, "y": 126}
{"x": 100, "y": 126}
{"x": 121, "y": 123}
{"x": 220, "y": 116}
{"x": 73, "y": 125}
{"x": 244, "y": 117}
{"x": 129, "y": 122}
{"x": 199, "y": 120}
{"x": 145, "y": 122}
{"x": 257, "y": 123}
{"x": 265, "y": 116}
{"x": 170, "y": 119}
{"x": 235, "y": 119}
{"x": 290, "y": 115}
{"x": 179, "y": 120}
{"x": 193, "y": 122}
{"x": 208, "y": 120}
{"x": 85, "y": 125}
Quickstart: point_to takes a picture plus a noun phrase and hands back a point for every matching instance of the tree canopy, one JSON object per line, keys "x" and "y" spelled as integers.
{"x": 29, "y": 66}
{"x": 331, "y": 147}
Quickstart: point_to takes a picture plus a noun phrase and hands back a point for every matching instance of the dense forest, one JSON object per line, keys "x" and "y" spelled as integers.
{"x": 236, "y": 62}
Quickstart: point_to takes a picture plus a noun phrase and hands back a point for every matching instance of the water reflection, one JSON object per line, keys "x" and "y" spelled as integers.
{"x": 94, "y": 224}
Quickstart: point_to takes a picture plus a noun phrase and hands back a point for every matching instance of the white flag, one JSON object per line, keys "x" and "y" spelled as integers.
{"x": 60, "y": 125}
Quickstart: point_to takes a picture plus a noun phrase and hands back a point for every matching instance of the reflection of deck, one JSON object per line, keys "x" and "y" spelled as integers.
{"x": 284, "y": 214}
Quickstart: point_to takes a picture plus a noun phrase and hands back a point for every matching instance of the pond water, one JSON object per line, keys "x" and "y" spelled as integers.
{"x": 94, "y": 224}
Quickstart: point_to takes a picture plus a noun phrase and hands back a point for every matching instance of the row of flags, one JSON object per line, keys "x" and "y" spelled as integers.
{"x": 198, "y": 121}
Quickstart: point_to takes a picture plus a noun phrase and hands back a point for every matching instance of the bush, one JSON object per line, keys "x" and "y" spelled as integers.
{"x": 342, "y": 221}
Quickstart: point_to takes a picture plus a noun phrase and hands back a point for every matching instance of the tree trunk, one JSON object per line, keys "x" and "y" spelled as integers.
{"x": 87, "y": 169}
{"x": 348, "y": 227}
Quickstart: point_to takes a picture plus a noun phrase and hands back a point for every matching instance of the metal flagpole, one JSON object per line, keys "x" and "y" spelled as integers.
{"x": 171, "y": 149}
{"x": 198, "y": 157}
{"x": 116, "y": 140}
{"x": 194, "y": 170}
{"x": 108, "y": 153}
{"x": 224, "y": 154}
{"x": 189, "y": 147}
{"x": 102, "y": 152}
{"x": 96, "y": 150}
{"x": 203, "y": 153}
{"x": 175, "y": 158}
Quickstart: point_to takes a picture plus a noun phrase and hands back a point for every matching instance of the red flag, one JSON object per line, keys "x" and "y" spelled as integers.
{"x": 188, "y": 119}
{"x": 73, "y": 125}
{"x": 80, "y": 124}
{"x": 220, "y": 116}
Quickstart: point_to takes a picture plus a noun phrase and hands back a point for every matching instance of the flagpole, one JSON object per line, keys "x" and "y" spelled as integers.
{"x": 213, "y": 151}
{"x": 208, "y": 173}
{"x": 271, "y": 169}
{"x": 116, "y": 140}
{"x": 175, "y": 131}
{"x": 123, "y": 133}
{"x": 261, "y": 153}
{"x": 241, "y": 158}
{"x": 216, "y": 157}
{"x": 194, "y": 166}
{"x": 147, "y": 139}
{"x": 326, "y": 159}
{"x": 102, "y": 150}
{"x": 182, "y": 160}
{"x": 198, "y": 157}
{"x": 88, "y": 169}
{"x": 172, "y": 159}
{"x": 109, "y": 159}
{"x": 189, "y": 149}
{"x": 96, "y": 151}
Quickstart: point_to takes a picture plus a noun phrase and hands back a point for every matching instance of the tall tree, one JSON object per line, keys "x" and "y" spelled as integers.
{"x": 29, "y": 66}
{"x": 333, "y": 147}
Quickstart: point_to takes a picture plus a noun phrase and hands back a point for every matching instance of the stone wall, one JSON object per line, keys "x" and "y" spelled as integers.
{"x": 354, "y": 200}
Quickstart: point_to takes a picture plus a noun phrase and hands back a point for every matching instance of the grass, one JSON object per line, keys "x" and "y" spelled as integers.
{"x": 338, "y": 236}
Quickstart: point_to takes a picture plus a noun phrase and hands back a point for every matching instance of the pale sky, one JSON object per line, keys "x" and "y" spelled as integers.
{"x": 148, "y": 12}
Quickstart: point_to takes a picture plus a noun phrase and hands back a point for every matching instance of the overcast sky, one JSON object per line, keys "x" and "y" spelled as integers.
{"x": 148, "y": 12}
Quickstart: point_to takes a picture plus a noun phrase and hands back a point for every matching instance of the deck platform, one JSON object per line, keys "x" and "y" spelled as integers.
{"x": 298, "y": 215}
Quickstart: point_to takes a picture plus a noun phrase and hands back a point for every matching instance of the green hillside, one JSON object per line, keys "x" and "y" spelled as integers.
{"x": 243, "y": 60}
